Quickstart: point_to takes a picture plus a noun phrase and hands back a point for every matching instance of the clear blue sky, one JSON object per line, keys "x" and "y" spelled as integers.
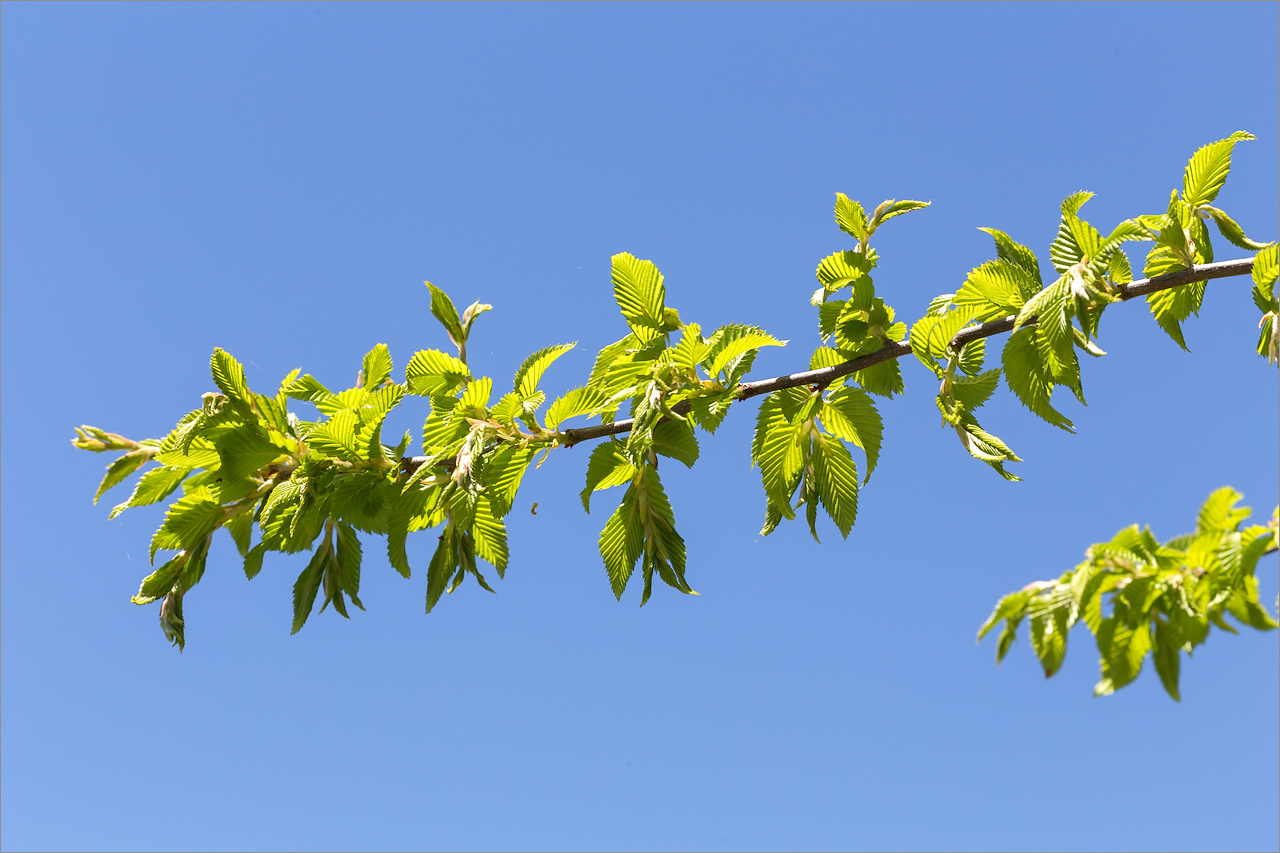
{"x": 278, "y": 180}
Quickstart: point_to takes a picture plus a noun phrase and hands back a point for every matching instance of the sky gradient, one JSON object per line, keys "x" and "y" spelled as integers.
{"x": 279, "y": 180}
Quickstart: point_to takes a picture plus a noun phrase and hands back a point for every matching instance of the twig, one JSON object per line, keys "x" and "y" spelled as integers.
{"x": 892, "y": 349}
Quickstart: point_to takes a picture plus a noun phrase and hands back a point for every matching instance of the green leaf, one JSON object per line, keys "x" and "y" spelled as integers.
{"x": 156, "y": 585}
{"x": 1119, "y": 269}
{"x": 253, "y": 560}
{"x": 442, "y": 308}
{"x": 850, "y": 217}
{"x": 1027, "y": 378}
{"x": 243, "y": 451}
{"x": 1219, "y": 513}
{"x": 490, "y": 536}
{"x": 689, "y": 351}
{"x": 736, "y": 346}
{"x": 676, "y": 440}
{"x": 1266, "y": 268}
{"x": 347, "y": 555}
{"x": 579, "y": 401}
{"x": 476, "y": 398}
{"x": 640, "y": 294}
{"x": 433, "y": 372}
{"x": 336, "y": 437}
{"x": 201, "y": 453}
{"x": 1049, "y": 637}
{"x": 972, "y": 356}
{"x": 187, "y": 522}
{"x": 122, "y": 467}
{"x": 502, "y": 474}
{"x": 842, "y": 268}
{"x": 837, "y": 480}
{"x": 375, "y": 369}
{"x": 443, "y": 563}
{"x": 996, "y": 289}
{"x": 1122, "y": 647}
{"x": 307, "y": 585}
{"x": 985, "y": 446}
{"x": 1170, "y": 307}
{"x": 1007, "y": 249}
{"x": 228, "y": 374}
{"x": 1160, "y": 261}
{"x": 664, "y": 548}
{"x": 1230, "y": 230}
{"x": 709, "y": 410}
{"x": 973, "y": 392}
{"x": 530, "y": 372}
{"x": 308, "y": 389}
{"x": 1164, "y": 654}
{"x": 1012, "y": 606}
{"x": 736, "y": 366}
{"x": 1066, "y": 250}
{"x": 608, "y": 466}
{"x": 441, "y": 429}
{"x": 884, "y": 379}
{"x": 851, "y": 415}
{"x": 621, "y": 543}
{"x": 240, "y": 526}
{"x": 931, "y": 336}
{"x": 1207, "y": 170}
{"x": 772, "y": 448}
{"x": 891, "y": 208}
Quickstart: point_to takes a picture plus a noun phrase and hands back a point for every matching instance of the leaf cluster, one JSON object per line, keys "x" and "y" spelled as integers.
{"x": 1139, "y": 596}
{"x": 281, "y": 482}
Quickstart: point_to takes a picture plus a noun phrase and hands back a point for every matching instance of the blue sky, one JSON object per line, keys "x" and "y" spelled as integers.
{"x": 278, "y": 180}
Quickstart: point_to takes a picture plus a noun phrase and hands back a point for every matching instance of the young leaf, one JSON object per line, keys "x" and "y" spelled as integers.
{"x": 849, "y": 414}
{"x": 122, "y": 467}
{"x": 375, "y": 369}
{"x": 837, "y": 481}
{"x": 640, "y": 294}
{"x": 771, "y": 449}
{"x": 442, "y": 308}
{"x": 675, "y": 439}
{"x": 530, "y": 372}
{"x": 735, "y": 346}
{"x": 579, "y": 401}
{"x": 433, "y": 372}
{"x": 502, "y": 473}
{"x": 1170, "y": 307}
{"x": 308, "y": 389}
{"x": 443, "y": 563}
{"x": 891, "y": 208}
{"x": 1207, "y": 170}
{"x": 347, "y": 555}
{"x": 621, "y": 543}
{"x": 1164, "y": 654}
{"x": 995, "y": 289}
{"x": 228, "y": 374}
{"x": 842, "y": 268}
{"x": 1066, "y": 250}
{"x": 608, "y": 466}
{"x": 709, "y": 410}
{"x": 308, "y": 584}
{"x": 187, "y": 522}
{"x": 1007, "y": 249}
{"x": 850, "y": 217}
{"x": 157, "y": 585}
{"x": 1027, "y": 378}
{"x": 490, "y": 536}
{"x": 1230, "y": 230}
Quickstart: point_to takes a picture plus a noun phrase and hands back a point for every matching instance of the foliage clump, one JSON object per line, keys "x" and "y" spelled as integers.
{"x": 244, "y": 461}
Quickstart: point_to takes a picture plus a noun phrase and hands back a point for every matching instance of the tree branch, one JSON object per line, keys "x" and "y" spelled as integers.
{"x": 892, "y": 349}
